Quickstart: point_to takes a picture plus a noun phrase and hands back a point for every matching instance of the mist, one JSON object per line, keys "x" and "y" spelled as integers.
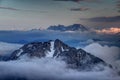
{"x": 47, "y": 69}
{"x": 8, "y": 48}
{"x": 72, "y": 38}
{"x": 56, "y": 69}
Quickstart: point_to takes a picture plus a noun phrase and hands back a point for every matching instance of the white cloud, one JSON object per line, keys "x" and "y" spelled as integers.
{"x": 6, "y": 48}
{"x": 108, "y": 54}
{"x": 47, "y": 68}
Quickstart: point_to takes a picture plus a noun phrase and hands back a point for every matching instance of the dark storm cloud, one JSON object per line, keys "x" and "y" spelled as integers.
{"x": 79, "y": 9}
{"x": 104, "y": 19}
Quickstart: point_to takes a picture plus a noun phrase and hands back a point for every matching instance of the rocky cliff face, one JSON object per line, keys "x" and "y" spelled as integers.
{"x": 75, "y": 58}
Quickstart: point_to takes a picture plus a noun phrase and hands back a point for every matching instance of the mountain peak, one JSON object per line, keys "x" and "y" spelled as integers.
{"x": 74, "y": 27}
{"x": 75, "y": 58}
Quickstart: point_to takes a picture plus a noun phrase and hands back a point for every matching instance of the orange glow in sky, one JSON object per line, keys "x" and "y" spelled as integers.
{"x": 109, "y": 31}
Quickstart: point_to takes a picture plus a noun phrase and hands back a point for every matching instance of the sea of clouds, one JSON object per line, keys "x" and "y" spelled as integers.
{"x": 47, "y": 69}
{"x": 54, "y": 69}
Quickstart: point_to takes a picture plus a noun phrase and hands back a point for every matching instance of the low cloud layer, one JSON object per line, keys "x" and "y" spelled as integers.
{"x": 48, "y": 69}
{"x": 7, "y": 48}
{"x": 108, "y": 54}
{"x": 71, "y": 39}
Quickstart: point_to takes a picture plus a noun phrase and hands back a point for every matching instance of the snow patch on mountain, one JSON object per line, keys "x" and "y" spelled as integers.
{"x": 51, "y": 52}
{"x": 19, "y": 53}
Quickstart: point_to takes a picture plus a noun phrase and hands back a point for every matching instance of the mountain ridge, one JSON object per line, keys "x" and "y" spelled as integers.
{"x": 74, "y": 27}
{"x": 74, "y": 58}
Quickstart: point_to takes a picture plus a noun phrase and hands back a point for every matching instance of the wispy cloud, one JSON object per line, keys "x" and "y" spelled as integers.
{"x": 79, "y": 9}
{"x": 80, "y": 0}
{"x": 104, "y": 19}
{"x": 9, "y": 8}
{"x": 15, "y": 9}
{"x": 70, "y": 0}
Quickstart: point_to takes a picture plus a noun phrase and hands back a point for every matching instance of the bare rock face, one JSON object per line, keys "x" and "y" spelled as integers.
{"x": 34, "y": 49}
{"x": 75, "y": 58}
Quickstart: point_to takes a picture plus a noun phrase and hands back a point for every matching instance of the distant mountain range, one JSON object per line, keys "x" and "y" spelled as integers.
{"x": 74, "y": 27}
{"x": 75, "y": 58}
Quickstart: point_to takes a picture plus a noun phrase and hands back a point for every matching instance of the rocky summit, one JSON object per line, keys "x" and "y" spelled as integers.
{"x": 74, "y": 27}
{"x": 75, "y": 58}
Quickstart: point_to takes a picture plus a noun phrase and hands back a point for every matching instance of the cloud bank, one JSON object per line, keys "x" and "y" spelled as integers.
{"x": 7, "y": 48}
{"x": 108, "y": 54}
{"x": 48, "y": 69}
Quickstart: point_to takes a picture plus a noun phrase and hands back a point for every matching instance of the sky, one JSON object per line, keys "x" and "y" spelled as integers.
{"x": 35, "y": 14}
